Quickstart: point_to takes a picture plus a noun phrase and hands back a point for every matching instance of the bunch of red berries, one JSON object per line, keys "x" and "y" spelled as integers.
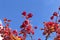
{"x": 52, "y": 26}
{"x": 26, "y": 27}
{"x": 7, "y": 33}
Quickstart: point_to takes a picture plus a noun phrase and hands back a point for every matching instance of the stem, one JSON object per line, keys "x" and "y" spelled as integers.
{"x": 46, "y": 38}
{"x": 57, "y": 17}
{"x": 31, "y": 36}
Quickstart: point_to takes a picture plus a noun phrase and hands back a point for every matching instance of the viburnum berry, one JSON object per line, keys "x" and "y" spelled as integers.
{"x": 9, "y": 20}
{"x": 5, "y": 19}
{"x": 58, "y": 31}
{"x": 55, "y": 14}
{"x": 1, "y": 35}
{"x": 24, "y": 13}
{"x": 59, "y": 8}
{"x": 22, "y": 31}
{"x": 14, "y": 32}
{"x": 20, "y": 37}
{"x": 39, "y": 39}
{"x": 29, "y": 15}
{"x": 57, "y": 37}
{"x": 32, "y": 31}
{"x": 7, "y": 25}
{"x": 48, "y": 24}
{"x": 26, "y": 22}
{"x": 59, "y": 20}
{"x": 35, "y": 27}
{"x": 28, "y": 29}
{"x": 52, "y": 17}
{"x": 6, "y": 34}
{"x": 23, "y": 25}
{"x": 56, "y": 26}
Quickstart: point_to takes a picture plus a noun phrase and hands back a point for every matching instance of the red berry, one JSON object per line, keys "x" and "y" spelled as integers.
{"x": 39, "y": 39}
{"x": 5, "y": 19}
{"x": 23, "y": 25}
{"x": 59, "y": 20}
{"x": 58, "y": 30}
{"x": 55, "y": 14}
{"x": 14, "y": 32}
{"x": 29, "y": 15}
{"x": 32, "y": 31}
{"x": 56, "y": 26}
{"x": 26, "y": 22}
{"x": 35, "y": 27}
{"x": 9, "y": 20}
{"x": 7, "y": 25}
{"x": 52, "y": 17}
{"x": 1, "y": 35}
{"x": 24, "y": 13}
{"x": 57, "y": 37}
{"x": 59, "y": 8}
{"x": 29, "y": 27}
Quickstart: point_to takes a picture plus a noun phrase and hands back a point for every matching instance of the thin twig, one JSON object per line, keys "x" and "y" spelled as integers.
{"x": 47, "y": 37}
{"x": 31, "y": 36}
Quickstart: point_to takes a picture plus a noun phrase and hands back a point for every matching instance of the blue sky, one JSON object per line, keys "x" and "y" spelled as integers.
{"x": 41, "y": 10}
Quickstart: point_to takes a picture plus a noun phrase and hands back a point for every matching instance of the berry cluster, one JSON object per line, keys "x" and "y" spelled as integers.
{"x": 7, "y": 33}
{"x": 26, "y": 29}
{"x": 52, "y": 26}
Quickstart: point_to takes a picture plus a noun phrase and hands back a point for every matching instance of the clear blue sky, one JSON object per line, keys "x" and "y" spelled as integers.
{"x": 41, "y": 10}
